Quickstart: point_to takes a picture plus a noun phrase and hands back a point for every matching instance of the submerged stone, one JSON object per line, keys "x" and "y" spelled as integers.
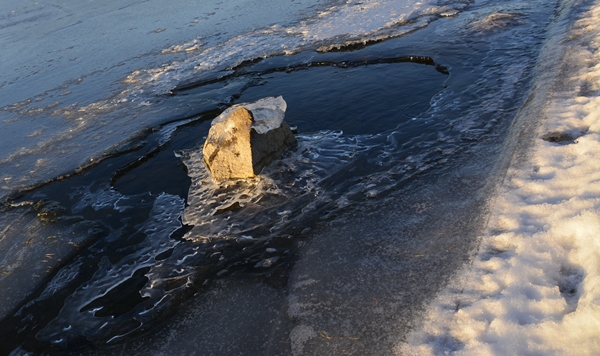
{"x": 247, "y": 137}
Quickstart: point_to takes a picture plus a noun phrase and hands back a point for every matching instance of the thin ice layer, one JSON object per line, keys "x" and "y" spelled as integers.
{"x": 77, "y": 319}
{"x": 272, "y": 200}
{"x": 60, "y": 129}
{"x": 350, "y": 23}
{"x": 533, "y": 286}
{"x": 227, "y": 209}
{"x": 30, "y": 249}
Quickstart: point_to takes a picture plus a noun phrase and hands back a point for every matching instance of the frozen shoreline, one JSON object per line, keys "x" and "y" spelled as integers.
{"x": 363, "y": 273}
{"x": 533, "y": 286}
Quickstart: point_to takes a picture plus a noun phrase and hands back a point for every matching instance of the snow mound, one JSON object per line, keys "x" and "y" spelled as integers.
{"x": 534, "y": 284}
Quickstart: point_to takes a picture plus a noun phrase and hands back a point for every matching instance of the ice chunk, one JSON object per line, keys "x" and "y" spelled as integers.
{"x": 268, "y": 113}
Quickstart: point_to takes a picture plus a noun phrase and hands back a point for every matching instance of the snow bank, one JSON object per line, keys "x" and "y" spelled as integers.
{"x": 534, "y": 284}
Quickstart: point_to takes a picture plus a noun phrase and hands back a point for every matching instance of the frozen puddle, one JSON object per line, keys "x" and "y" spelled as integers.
{"x": 534, "y": 284}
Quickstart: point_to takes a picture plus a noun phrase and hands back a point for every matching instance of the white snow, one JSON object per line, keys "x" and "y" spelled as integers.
{"x": 533, "y": 287}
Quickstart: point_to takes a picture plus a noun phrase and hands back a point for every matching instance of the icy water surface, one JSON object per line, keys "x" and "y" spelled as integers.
{"x": 102, "y": 72}
{"x": 332, "y": 250}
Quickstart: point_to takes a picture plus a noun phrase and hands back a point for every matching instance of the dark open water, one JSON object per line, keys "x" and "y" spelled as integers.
{"x": 334, "y": 250}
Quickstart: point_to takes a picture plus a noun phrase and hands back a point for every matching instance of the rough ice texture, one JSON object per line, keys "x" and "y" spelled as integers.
{"x": 276, "y": 200}
{"x": 247, "y": 137}
{"x": 534, "y": 284}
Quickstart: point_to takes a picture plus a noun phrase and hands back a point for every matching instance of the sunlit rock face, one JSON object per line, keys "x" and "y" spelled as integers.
{"x": 247, "y": 137}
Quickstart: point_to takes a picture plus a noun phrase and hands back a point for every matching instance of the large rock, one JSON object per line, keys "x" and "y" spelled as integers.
{"x": 247, "y": 137}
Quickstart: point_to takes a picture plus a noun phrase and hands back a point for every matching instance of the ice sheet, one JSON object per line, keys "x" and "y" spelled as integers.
{"x": 330, "y": 161}
{"x": 241, "y": 208}
{"x": 67, "y": 107}
{"x": 337, "y": 26}
{"x": 75, "y": 319}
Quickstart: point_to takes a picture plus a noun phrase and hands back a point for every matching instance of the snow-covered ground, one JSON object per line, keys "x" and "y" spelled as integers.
{"x": 533, "y": 287}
